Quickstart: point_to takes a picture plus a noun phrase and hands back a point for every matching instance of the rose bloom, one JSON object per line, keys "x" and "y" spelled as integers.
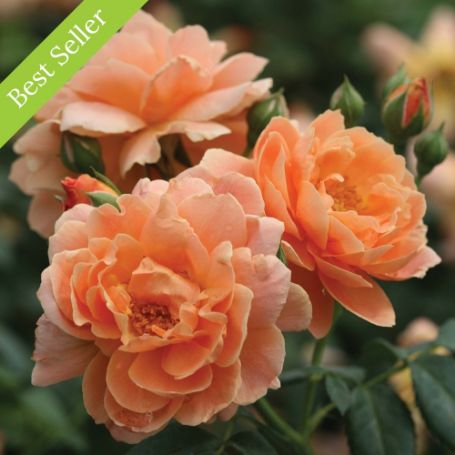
{"x": 351, "y": 210}
{"x": 432, "y": 57}
{"x": 147, "y": 82}
{"x": 172, "y": 307}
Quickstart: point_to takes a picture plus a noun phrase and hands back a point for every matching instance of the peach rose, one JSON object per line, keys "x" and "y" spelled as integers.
{"x": 350, "y": 209}
{"x": 147, "y": 82}
{"x": 172, "y": 307}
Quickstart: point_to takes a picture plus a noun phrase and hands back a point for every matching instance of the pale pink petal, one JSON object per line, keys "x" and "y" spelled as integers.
{"x": 269, "y": 280}
{"x": 215, "y": 219}
{"x": 180, "y": 81}
{"x": 238, "y": 69}
{"x": 297, "y": 312}
{"x": 116, "y": 83}
{"x": 244, "y": 189}
{"x": 262, "y": 361}
{"x": 98, "y": 119}
{"x": 58, "y": 356}
{"x": 143, "y": 148}
{"x": 44, "y": 210}
{"x": 264, "y": 234}
{"x": 154, "y": 32}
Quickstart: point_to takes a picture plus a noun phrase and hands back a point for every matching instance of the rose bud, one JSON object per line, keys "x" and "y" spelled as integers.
{"x": 81, "y": 154}
{"x": 399, "y": 78}
{"x": 260, "y": 115}
{"x": 407, "y": 110}
{"x": 78, "y": 190}
{"x": 430, "y": 150}
{"x": 349, "y": 101}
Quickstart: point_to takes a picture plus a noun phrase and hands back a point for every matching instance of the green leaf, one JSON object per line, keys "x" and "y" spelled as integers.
{"x": 178, "y": 440}
{"x": 106, "y": 180}
{"x": 81, "y": 154}
{"x": 354, "y": 374}
{"x": 99, "y": 198}
{"x": 447, "y": 335}
{"x": 278, "y": 441}
{"x": 379, "y": 355}
{"x": 378, "y": 423}
{"x": 249, "y": 443}
{"x": 339, "y": 392}
{"x": 434, "y": 385}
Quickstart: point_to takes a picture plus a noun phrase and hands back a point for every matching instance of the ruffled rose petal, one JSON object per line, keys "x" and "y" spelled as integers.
{"x": 297, "y": 312}
{"x": 58, "y": 356}
{"x": 98, "y": 119}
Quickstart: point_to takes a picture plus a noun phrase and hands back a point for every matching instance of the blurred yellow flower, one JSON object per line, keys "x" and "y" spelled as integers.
{"x": 433, "y": 57}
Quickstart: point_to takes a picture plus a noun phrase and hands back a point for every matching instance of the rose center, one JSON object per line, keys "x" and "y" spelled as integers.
{"x": 344, "y": 197}
{"x": 151, "y": 318}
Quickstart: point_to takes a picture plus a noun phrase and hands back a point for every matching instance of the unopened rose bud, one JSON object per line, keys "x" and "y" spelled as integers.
{"x": 77, "y": 190}
{"x": 430, "y": 150}
{"x": 349, "y": 101}
{"x": 81, "y": 154}
{"x": 262, "y": 112}
{"x": 407, "y": 110}
{"x": 398, "y": 79}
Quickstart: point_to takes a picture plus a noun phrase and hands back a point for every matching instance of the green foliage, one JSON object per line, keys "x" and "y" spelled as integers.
{"x": 249, "y": 443}
{"x": 99, "y": 198}
{"x": 434, "y": 385}
{"x": 446, "y": 336}
{"x": 339, "y": 392}
{"x": 81, "y": 154}
{"x": 378, "y": 423}
{"x": 181, "y": 440}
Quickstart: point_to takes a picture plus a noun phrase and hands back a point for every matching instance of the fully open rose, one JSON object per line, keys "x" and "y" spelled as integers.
{"x": 147, "y": 82}
{"x": 172, "y": 307}
{"x": 351, "y": 210}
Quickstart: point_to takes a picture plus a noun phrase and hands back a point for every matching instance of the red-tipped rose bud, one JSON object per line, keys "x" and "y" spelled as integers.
{"x": 77, "y": 190}
{"x": 407, "y": 110}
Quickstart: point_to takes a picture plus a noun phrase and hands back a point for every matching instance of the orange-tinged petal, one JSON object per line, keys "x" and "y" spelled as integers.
{"x": 312, "y": 214}
{"x": 370, "y": 303}
{"x": 94, "y": 388}
{"x": 202, "y": 406}
{"x": 146, "y": 372}
{"x": 125, "y": 392}
{"x": 321, "y": 301}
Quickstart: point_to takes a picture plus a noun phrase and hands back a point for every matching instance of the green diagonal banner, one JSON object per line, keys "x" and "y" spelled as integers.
{"x": 58, "y": 58}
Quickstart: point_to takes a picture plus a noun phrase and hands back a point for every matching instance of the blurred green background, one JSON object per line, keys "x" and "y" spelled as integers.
{"x": 311, "y": 44}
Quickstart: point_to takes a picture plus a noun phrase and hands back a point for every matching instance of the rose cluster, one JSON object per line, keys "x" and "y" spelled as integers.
{"x": 170, "y": 299}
